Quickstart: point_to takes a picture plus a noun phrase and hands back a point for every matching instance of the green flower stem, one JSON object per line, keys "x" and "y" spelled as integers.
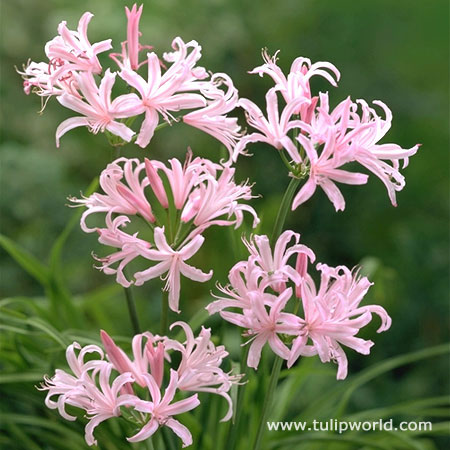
{"x": 164, "y": 313}
{"x": 268, "y": 400}
{"x": 286, "y": 162}
{"x": 240, "y": 399}
{"x": 277, "y": 230}
{"x": 128, "y": 292}
{"x": 284, "y": 208}
{"x": 132, "y": 308}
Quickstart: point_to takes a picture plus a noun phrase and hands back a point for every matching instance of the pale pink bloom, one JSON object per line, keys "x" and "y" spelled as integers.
{"x": 173, "y": 263}
{"x": 133, "y": 17}
{"x": 63, "y": 384}
{"x": 324, "y": 171}
{"x": 81, "y": 391}
{"x": 162, "y": 410}
{"x": 263, "y": 322}
{"x": 129, "y": 58}
{"x": 214, "y": 198}
{"x": 333, "y": 316}
{"x": 296, "y": 84}
{"x": 156, "y": 352}
{"x": 105, "y": 400}
{"x": 274, "y": 129}
{"x": 213, "y": 119}
{"x": 124, "y": 192}
{"x": 141, "y": 352}
{"x": 322, "y": 120}
{"x": 156, "y": 183}
{"x": 182, "y": 178}
{"x": 161, "y": 93}
{"x": 72, "y": 52}
{"x": 187, "y": 54}
{"x": 351, "y": 137}
{"x": 199, "y": 369}
{"x": 130, "y": 247}
{"x": 301, "y": 267}
{"x": 244, "y": 277}
{"x": 38, "y": 79}
{"x": 274, "y": 265}
{"x": 370, "y": 154}
{"x": 261, "y": 314}
{"x": 98, "y": 112}
{"x": 200, "y": 193}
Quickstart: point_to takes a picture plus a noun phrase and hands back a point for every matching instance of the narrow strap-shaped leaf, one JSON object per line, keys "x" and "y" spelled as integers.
{"x": 26, "y": 260}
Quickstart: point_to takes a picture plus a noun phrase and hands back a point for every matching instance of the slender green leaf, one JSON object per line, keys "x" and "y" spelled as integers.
{"x": 386, "y": 366}
{"x": 56, "y": 250}
{"x": 411, "y": 407}
{"x": 21, "y": 436}
{"x": 48, "y": 330}
{"x": 338, "y": 397}
{"x": 64, "y": 431}
{"x": 21, "y": 377}
{"x": 27, "y": 261}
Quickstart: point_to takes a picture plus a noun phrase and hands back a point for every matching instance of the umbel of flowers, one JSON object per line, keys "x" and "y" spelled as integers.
{"x": 271, "y": 296}
{"x": 199, "y": 193}
{"x": 262, "y": 289}
{"x": 110, "y": 387}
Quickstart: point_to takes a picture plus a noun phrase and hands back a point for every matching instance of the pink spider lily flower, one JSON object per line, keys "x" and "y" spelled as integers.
{"x": 38, "y": 79}
{"x": 133, "y": 17}
{"x": 199, "y": 369}
{"x": 156, "y": 353}
{"x": 72, "y": 52}
{"x": 274, "y": 266}
{"x": 301, "y": 267}
{"x": 296, "y": 84}
{"x": 163, "y": 409}
{"x": 105, "y": 400}
{"x": 371, "y": 155}
{"x": 214, "y": 198}
{"x": 63, "y": 384}
{"x": 124, "y": 192}
{"x": 333, "y": 317}
{"x": 244, "y": 277}
{"x": 130, "y": 247}
{"x": 187, "y": 54}
{"x": 140, "y": 365}
{"x": 321, "y": 120}
{"x": 273, "y": 130}
{"x": 213, "y": 119}
{"x": 98, "y": 112}
{"x": 263, "y": 326}
{"x": 160, "y": 94}
{"x": 324, "y": 172}
{"x": 353, "y": 138}
{"x": 182, "y": 178}
{"x": 156, "y": 183}
{"x": 129, "y": 58}
{"x": 173, "y": 263}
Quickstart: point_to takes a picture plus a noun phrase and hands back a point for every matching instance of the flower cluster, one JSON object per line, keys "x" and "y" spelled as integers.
{"x": 259, "y": 293}
{"x": 177, "y": 202}
{"x": 158, "y": 213}
{"x": 133, "y": 389}
{"x": 317, "y": 141}
{"x": 174, "y": 83}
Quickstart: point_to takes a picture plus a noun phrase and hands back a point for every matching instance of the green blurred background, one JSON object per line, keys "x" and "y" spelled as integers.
{"x": 396, "y": 52}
